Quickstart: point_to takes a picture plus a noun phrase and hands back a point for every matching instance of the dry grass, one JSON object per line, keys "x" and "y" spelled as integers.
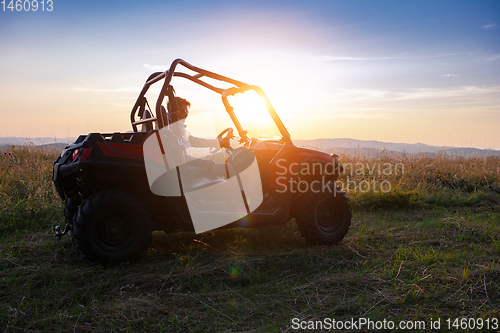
{"x": 28, "y": 199}
{"x": 418, "y": 180}
{"x": 407, "y": 265}
{"x": 434, "y": 259}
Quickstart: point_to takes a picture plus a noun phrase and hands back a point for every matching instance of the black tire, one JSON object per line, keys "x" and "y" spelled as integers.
{"x": 324, "y": 218}
{"x": 70, "y": 209}
{"x": 112, "y": 227}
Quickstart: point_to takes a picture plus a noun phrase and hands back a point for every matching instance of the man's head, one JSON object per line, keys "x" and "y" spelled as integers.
{"x": 182, "y": 111}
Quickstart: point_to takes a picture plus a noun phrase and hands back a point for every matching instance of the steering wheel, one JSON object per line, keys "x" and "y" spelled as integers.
{"x": 221, "y": 136}
{"x": 241, "y": 158}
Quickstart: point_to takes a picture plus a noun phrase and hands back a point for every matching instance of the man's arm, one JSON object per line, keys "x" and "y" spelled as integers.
{"x": 212, "y": 143}
{"x": 201, "y": 142}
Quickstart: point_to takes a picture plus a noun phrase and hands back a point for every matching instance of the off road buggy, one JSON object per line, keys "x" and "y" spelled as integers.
{"x": 120, "y": 187}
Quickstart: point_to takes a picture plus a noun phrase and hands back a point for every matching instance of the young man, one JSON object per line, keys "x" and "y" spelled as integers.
{"x": 189, "y": 140}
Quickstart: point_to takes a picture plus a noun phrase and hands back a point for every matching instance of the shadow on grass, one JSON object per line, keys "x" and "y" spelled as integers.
{"x": 267, "y": 239}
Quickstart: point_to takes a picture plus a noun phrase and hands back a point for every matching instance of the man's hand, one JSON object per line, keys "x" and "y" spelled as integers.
{"x": 225, "y": 142}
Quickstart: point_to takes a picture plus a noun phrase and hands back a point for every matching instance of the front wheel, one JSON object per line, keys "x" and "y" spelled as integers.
{"x": 324, "y": 218}
{"x": 112, "y": 227}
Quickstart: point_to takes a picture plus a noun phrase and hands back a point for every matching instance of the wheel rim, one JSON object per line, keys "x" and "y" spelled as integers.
{"x": 114, "y": 232}
{"x": 328, "y": 216}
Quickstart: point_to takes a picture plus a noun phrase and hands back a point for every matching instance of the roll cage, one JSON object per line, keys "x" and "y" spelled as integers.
{"x": 168, "y": 91}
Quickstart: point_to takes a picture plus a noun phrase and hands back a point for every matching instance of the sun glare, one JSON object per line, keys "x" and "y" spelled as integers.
{"x": 253, "y": 115}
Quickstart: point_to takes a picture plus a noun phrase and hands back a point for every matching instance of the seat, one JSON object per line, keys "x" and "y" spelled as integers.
{"x": 165, "y": 118}
{"x": 147, "y": 126}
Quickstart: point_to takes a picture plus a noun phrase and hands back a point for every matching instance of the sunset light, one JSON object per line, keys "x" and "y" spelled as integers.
{"x": 417, "y": 72}
{"x": 249, "y": 166}
{"x": 252, "y": 113}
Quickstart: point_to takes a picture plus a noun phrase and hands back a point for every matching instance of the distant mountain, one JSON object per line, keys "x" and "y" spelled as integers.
{"x": 52, "y": 147}
{"x": 41, "y": 143}
{"x": 366, "y": 147}
{"x": 17, "y": 140}
{"x": 371, "y": 147}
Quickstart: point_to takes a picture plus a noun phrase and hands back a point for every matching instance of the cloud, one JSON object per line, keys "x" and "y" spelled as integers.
{"x": 459, "y": 92}
{"x": 349, "y": 115}
{"x": 451, "y": 75}
{"x": 343, "y": 113}
{"x": 161, "y": 68}
{"x": 489, "y": 26}
{"x": 356, "y": 94}
{"x": 338, "y": 58}
{"x": 106, "y": 90}
{"x": 493, "y": 57}
{"x": 409, "y": 57}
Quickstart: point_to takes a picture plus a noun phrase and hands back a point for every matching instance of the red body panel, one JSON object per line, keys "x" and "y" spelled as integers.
{"x": 116, "y": 148}
{"x": 288, "y": 161}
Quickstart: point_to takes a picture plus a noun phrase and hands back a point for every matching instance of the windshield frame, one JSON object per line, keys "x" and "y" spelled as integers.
{"x": 168, "y": 91}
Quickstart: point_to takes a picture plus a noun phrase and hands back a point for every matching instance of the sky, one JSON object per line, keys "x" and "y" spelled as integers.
{"x": 393, "y": 71}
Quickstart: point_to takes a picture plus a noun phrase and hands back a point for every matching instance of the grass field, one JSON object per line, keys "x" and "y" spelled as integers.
{"x": 428, "y": 248}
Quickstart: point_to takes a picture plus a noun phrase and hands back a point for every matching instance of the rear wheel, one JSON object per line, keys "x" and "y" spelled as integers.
{"x": 112, "y": 227}
{"x": 324, "y": 218}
